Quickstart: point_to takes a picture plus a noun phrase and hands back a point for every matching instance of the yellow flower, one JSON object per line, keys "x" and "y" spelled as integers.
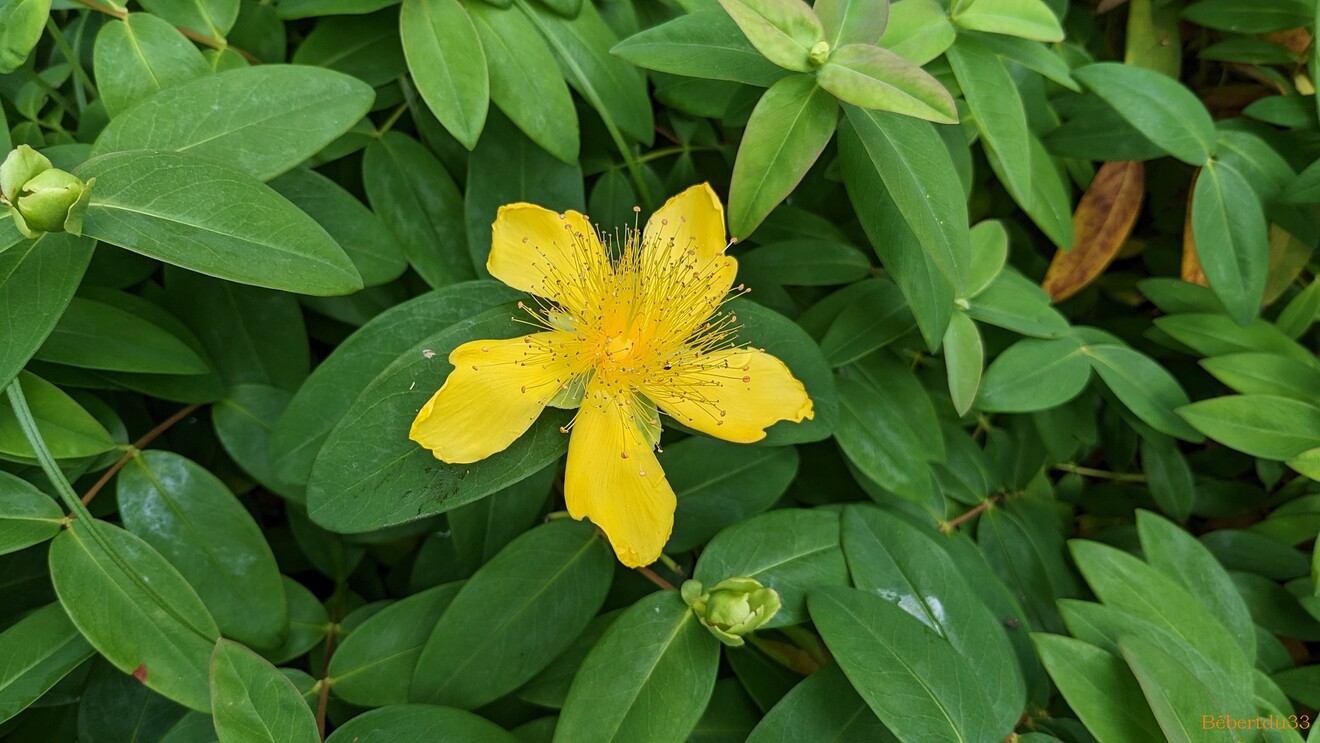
{"x": 618, "y": 338}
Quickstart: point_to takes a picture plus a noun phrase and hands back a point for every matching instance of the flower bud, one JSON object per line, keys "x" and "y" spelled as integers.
{"x": 732, "y": 608}
{"x": 819, "y": 53}
{"x": 22, "y": 165}
{"x": 40, "y": 197}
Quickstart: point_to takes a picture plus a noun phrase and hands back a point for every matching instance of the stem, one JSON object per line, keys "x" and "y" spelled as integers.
{"x": 323, "y": 696}
{"x": 56, "y": 96}
{"x": 1101, "y": 474}
{"x": 200, "y": 38}
{"x": 948, "y": 526}
{"x": 133, "y": 450}
{"x": 389, "y": 123}
{"x": 651, "y": 576}
{"x": 78, "y": 72}
{"x": 674, "y": 567}
{"x": 47, "y": 460}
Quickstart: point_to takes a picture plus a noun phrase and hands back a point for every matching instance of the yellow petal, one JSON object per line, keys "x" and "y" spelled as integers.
{"x": 614, "y": 479}
{"x": 495, "y": 392}
{"x": 546, "y": 253}
{"x": 733, "y": 395}
{"x": 692, "y": 220}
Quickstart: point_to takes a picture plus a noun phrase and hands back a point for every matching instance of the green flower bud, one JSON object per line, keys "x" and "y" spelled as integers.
{"x": 819, "y": 54}
{"x": 51, "y": 201}
{"x": 733, "y": 608}
{"x": 22, "y": 165}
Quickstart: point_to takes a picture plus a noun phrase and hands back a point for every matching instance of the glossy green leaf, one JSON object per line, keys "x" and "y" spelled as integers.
{"x": 1034, "y": 375}
{"x": 996, "y": 108}
{"x": 418, "y": 723}
{"x": 890, "y": 558}
{"x": 94, "y": 335}
{"x": 783, "y": 31}
{"x": 410, "y": 190}
{"x": 805, "y": 263}
{"x": 21, "y": 24}
{"x": 515, "y": 615}
{"x": 875, "y": 438}
{"x": 140, "y": 56}
{"x": 1216, "y": 335}
{"x": 851, "y": 21}
{"x": 875, "y": 317}
{"x": 37, "y": 281}
{"x": 252, "y": 701}
{"x": 308, "y": 623}
{"x": 787, "y": 131}
{"x": 1016, "y": 303}
{"x": 1232, "y": 243}
{"x": 790, "y": 550}
{"x": 706, "y": 44}
{"x": 824, "y": 706}
{"x": 192, "y": 520}
{"x": 1145, "y": 387}
{"x": 448, "y": 64}
{"x": 35, "y": 653}
{"x": 68, "y": 429}
{"x": 1265, "y": 374}
{"x": 964, "y": 361}
{"x": 1261, "y": 425}
{"x": 1173, "y": 690}
{"x": 262, "y": 120}
{"x": 1257, "y": 18}
{"x": 918, "y": 30}
{"x": 877, "y": 79}
{"x": 718, "y": 484}
{"x": 27, "y": 515}
{"x": 918, "y": 685}
{"x": 549, "y": 688}
{"x": 1028, "y": 19}
{"x": 1161, "y": 108}
{"x": 1099, "y": 688}
{"x": 374, "y": 665}
{"x": 1168, "y": 476}
{"x": 372, "y": 247}
{"x": 108, "y": 579}
{"x": 212, "y": 219}
{"x": 649, "y": 677}
{"x": 211, "y": 18}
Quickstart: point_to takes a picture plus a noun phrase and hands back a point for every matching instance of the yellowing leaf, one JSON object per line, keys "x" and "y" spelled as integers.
{"x": 1101, "y": 224}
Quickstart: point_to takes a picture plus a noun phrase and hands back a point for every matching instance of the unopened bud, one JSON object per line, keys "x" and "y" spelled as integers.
{"x": 22, "y": 165}
{"x": 40, "y": 197}
{"x": 819, "y": 53}
{"x": 732, "y": 608}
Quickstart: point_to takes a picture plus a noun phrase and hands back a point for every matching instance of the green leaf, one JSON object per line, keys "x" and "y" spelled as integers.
{"x": 705, "y": 44}
{"x": 191, "y": 519}
{"x": 1232, "y": 241}
{"x": 1047, "y": 201}
{"x": 1261, "y": 16}
{"x": 1014, "y": 302}
{"x": 1028, "y": 19}
{"x": 806, "y": 263}
{"x": 892, "y": 559}
{"x": 879, "y": 443}
{"x": 1035, "y": 57}
{"x": 787, "y": 131}
{"x": 851, "y": 21}
{"x": 262, "y": 120}
{"x": 1034, "y": 375}
{"x": 1265, "y": 374}
{"x": 448, "y": 64}
{"x": 1161, "y": 108}
{"x": 211, "y": 18}
{"x": 1125, "y": 583}
{"x": 374, "y": 665}
{"x": 790, "y": 550}
{"x": 718, "y": 484}
{"x": 1145, "y": 387}
{"x": 1301, "y": 311}
{"x": 213, "y": 219}
{"x": 21, "y": 24}
{"x": 996, "y": 107}
{"x": 1173, "y": 690}
{"x": 964, "y": 361}
{"x": 824, "y": 706}
{"x": 35, "y": 653}
{"x": 1168, "y": 476}
{"x": 94, "y": 335}
{"x": 243, "y": 422}
{"x": 108, "y": 579}
{"x": 918, "y": 30}
{"x": 29, "y": 516}
{"x": 371, "y": 245}
{"x": 918, "y": 685}
{"x": 1099, "y": 688}
{"x": 878, "y": 79}
{"x": 1264, "y": 426}
{"x": 1177, "y": 554}
{"x": 329, "y": 392}
{"x": 989, "y": 253}
{"x": 514, "y": 615}
{"x": 418, "y": 723}
{"x": 410, "y": 190}
{"x": 37, "y": 281}
{"x": 613, "y": 87}
{"x": 308, "y": 623}
{"x": 1216, "y": 335}
{"x": 140, "y": 56}
{"x": 67, "y": 428}
{"x": 525, "y": 82}
{"x": 784, "y": 31}
{"x": 368, "y": 476}
{"x": 252, "y": 701}
{"x": 921, "y": 178}
{"x": 550, "y": 687}
{"x": 876, "y": 317}
{"x": 649, "y": 677}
